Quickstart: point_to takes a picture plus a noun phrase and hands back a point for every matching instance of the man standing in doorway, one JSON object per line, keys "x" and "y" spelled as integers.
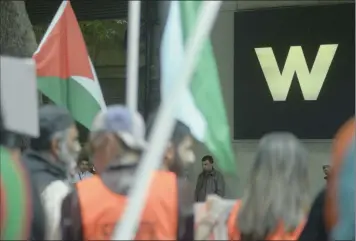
{"x": 210, "y": 181}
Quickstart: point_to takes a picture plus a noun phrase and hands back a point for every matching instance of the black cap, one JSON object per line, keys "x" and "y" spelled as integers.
{"x": 52, "y": 119}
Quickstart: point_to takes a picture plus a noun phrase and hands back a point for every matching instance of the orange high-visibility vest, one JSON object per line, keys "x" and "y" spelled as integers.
{"x": 279, "y": 234}
{"x": 101, "y": 209}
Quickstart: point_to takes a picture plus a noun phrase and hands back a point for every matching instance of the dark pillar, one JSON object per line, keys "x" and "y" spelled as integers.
{"x": 157, "y": 13}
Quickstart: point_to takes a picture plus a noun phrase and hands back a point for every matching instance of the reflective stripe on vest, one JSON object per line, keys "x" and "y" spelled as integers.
{"x": 101, "y": 209}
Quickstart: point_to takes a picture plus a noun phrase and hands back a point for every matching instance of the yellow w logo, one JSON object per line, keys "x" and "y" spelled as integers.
{"x": 310, "y": 82}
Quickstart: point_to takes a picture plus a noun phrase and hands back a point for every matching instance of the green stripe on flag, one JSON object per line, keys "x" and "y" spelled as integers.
{"x": 206, "y": 92}
{"x": 71, "y": 95}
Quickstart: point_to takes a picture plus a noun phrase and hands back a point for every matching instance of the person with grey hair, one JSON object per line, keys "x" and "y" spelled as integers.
{"x": 117, "y": 140}
{"x": 275, "y": 202}
{"x": 50, "y": 159}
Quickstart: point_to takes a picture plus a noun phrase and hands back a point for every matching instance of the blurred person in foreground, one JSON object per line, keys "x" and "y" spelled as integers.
{"x": 275, "y": 202}
{"x": 339, "y": 207}
{"x": 210, "y": 181}
{"x": 315, "y": 228}
{"x": 50, "y": 159}
{"x": 344, "y": 228}
{"x": 21, "y": 216}
{"x": 84, "y": 169}
{"x": 338, "y": 196}
{"x": 117, "y": 141}
{"x": 15, "y": 196}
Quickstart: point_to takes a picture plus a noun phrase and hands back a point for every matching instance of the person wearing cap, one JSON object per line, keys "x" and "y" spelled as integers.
{"x": 92, "y": 210}
{"x": 49, "y": 159}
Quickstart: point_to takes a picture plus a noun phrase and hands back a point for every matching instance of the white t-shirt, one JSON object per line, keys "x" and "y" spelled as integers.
{"x": 80, "y": 176}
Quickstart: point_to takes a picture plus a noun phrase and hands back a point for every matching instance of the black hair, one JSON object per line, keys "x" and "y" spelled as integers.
{"x": 179, "y": 133}
{"x": 208, "y": 158}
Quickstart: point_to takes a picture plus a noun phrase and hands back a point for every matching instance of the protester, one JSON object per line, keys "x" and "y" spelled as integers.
{"x": 15, "y": 195}
{"x": 345, "y": 224}
{"x": 178, "y": 158}
{"x": 179, "y": 154}
{"x": 275, "y": 201}
{"x": 341, "y": 182}
{"x": 315, "y": 228}
{"x": 85, "y": 170}
{"x": 117, "y": 140}
{"x": 49, "y": 159}
{"x": 210, "y": 181}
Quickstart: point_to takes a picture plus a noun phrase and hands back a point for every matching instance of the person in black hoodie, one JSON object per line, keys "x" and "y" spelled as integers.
{"x": 315, "y": 228}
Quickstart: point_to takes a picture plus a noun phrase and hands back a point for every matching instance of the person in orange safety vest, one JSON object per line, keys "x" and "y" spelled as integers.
{"x": 117, "y": 139}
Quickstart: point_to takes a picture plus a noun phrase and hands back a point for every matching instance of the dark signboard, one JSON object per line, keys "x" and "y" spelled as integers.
{"x": 294, "y": 70}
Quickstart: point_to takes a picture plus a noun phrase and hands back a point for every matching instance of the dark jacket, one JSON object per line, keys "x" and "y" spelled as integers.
{"x": 42, "y": 171}
{"x": 41, "y": 174}
{"x": 315, "y": 227}
{"x": 119, "y": 179}
{"x": 38, "y": 215}
{"x": 209, "y": 183}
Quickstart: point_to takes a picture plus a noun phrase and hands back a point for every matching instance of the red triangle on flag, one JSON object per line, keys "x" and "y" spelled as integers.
{"x": 62, "y": 52}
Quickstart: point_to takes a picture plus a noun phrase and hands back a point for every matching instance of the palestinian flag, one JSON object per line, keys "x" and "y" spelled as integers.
{"x": 202, "y": 106}
{"x": 64, "y": 70}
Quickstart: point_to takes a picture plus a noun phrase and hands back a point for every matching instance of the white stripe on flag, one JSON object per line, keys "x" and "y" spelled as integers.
{"x": 172, "y": 51}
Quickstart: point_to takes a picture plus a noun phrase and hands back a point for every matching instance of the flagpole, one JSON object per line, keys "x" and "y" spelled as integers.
{"x": 164, "y": 124}
{"x": 133, "y": 54}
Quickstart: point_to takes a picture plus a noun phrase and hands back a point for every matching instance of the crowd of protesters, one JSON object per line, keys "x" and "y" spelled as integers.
{"x": 56, "y": 190}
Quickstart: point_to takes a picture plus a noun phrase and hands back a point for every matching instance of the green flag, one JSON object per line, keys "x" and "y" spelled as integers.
{"x": 202, "y": 106}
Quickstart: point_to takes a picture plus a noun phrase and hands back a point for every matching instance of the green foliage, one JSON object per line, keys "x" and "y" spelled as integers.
{"x": 103, "y": 31}
{"x": 96, "y": 33}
